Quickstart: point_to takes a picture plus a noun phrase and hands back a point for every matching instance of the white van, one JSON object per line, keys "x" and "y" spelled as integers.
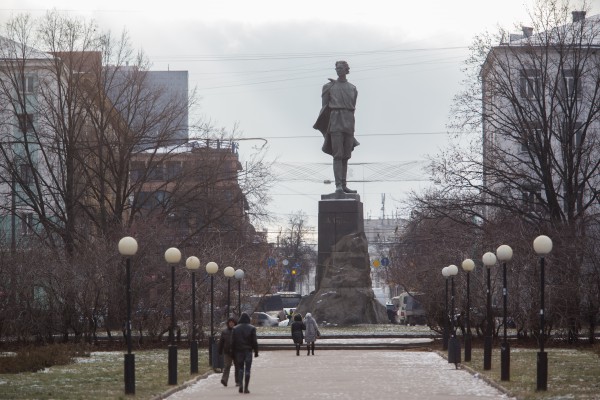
{"x": 410, "y": 310}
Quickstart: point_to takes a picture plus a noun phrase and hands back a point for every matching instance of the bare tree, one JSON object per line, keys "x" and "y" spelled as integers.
{"x": 536, "y": 98}
{"x": 293, "y": 246}
{"x": 78, "y": 112}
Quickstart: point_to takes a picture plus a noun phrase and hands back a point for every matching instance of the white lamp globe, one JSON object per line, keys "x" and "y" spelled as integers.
{"x": 229, "y": 272}
{"x": 504, "y": 253}
{"x": 468, "y": 265}
{"x": 172, "y": 255}
{"x": 192, "y": 263}
{"x": 212, "y": 267}
{"x": 542, "y": 245}
{"x": 489, "y": 259}
{"x": 452, "y": 270}
{"x": 128, "y": 246}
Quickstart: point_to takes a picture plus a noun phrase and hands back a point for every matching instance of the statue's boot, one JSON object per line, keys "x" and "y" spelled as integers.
{"x": 338, "y": 173}
{"x": 345, "y": 188}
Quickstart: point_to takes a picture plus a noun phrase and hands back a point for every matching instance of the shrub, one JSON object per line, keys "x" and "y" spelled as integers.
{"x": 35, "y": 358}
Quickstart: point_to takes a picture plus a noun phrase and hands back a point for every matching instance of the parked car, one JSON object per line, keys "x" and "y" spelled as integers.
{"x": 263, "y": 319}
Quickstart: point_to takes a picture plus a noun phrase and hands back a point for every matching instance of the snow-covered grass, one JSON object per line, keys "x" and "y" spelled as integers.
{"x": 99, "y": 376}
{"x": 572, "y": 373}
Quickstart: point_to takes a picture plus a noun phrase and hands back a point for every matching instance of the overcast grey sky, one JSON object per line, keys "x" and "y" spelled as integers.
{"x": 262, "y": 63}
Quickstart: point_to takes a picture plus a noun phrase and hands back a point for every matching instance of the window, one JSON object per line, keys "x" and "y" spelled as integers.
{"x": 570, "y": 84}
{"x": 137, "y": 171}
{"x": 530, "y": 132}
{"x": 142, "y": 200}
{"x": 151, "y": 200}
{"x": 530, "y": 83}
{"x": 26, "y": 174}
{"x": 577, "y": 135}
{"x": 26, "y": 223}
{"x": 26, "y": 85}
{"x": 173, "y": 169}
{"x": 25, "y": 122}
{"x": 577, "y": 195}
{"x": 155, "y": 172}
{"x": 532, "y": 200}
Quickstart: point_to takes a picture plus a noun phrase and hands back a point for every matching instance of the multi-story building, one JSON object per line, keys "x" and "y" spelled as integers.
{"x": 541, "y": 120}
{"x": 65, "y": 153}
{"x": 194, "y": 187}
{"x": 163, "y": 115}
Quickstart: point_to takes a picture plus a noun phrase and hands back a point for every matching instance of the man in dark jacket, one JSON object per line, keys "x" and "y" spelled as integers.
{"x": 225, "y": 350}
{"x": 242, "y": 344}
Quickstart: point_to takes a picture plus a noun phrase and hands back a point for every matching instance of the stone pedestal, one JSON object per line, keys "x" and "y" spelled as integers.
{"x": 339, "y": 215}
{"x": 344, "y": 293}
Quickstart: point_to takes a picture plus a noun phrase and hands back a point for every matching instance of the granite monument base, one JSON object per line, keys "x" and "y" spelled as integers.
{"x": 344, "y": 295}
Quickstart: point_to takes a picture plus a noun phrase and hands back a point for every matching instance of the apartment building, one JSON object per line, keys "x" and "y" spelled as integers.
{"x": 540, "y": 120}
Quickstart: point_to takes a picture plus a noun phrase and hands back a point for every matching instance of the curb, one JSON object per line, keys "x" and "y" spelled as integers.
{"x": 478, "y": 375}
{"x": 184, "y": 385}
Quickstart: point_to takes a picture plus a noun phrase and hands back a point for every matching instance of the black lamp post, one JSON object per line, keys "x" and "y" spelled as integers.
{"x": 211, "y": 269}
{"x": 489, "y": 259}
{"x": 239, "y": 275}
{"x": 192, "y": 264}
{"x": 468, "y": 265}
{"x": 542, "y": 245}
{"x": 453, "y": 343}
{"x": 504, "y": 254}
{"x": 229, "y": 272}
{"x": 445, "y": 274}
{"x": 172, "y": 257}
{"x": 128, "y": 247}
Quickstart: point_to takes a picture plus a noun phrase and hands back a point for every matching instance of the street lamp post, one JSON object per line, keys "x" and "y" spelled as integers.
{"x": 172, "y": 257}
{"x": 211, "y": 269}
{"x": 229, "y": 272}
{"x": 128, "y": 247}
{"x": 489, "y": 259}
{"x": 542, "y": 245}
{"x": 468, "y": 265}
{"x": 504, "y": 254}
{"x": 453, "y": 343}
{"x": 192, "y": 264}
{"x": 445, "y": 274}
{"x": 239, "y": 275}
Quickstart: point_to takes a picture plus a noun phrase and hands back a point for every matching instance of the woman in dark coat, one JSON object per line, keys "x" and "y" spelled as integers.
{"x": 297, "y": 334}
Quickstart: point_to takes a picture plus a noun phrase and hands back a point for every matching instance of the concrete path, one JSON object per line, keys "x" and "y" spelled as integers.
{"x": 349, "y": 374}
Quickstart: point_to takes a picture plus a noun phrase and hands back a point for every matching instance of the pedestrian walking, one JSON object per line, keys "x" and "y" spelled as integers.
{"x": 312, "y": 333}
{"x": 298, "y": 328}
{"x": 242, "y": 345}
{"x": 225, "y": 351}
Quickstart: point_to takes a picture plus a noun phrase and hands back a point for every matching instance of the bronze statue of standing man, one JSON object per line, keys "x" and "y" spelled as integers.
{"x": 336, "y": 123}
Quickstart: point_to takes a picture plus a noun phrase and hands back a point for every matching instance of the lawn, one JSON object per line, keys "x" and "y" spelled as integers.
{"x": 572, "y": 373}
{"x": 100, "y": 376}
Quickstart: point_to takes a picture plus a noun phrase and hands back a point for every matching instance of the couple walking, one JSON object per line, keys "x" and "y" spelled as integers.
{"x": 312, "y": 333}
{"x": 236, "y": 345}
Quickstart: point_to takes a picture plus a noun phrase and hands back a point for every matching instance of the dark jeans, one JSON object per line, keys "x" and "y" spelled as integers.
{"x": 243, "y": 363}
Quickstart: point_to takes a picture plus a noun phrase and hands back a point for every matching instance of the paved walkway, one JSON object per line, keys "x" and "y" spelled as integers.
{"x": 349, "y": 374}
